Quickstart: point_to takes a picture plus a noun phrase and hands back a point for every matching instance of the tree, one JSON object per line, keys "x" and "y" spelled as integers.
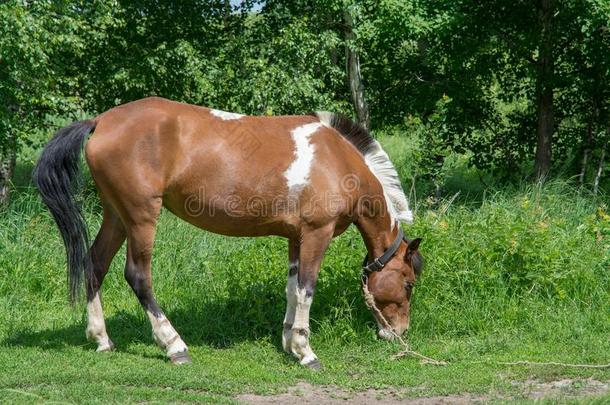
{"x": 503, "y": 63}
{"x": 545, "y": 88}
{"x": 354, "y": 76}
{"x": 33, "y": 81}
{"x": 519, "y": 87}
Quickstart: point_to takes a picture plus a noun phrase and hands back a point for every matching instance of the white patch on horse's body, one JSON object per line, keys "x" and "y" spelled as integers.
{"x": 96, "y": 327}
{"x": 380, "y": 165}
{"x": 300, "y": 329}
{"x": 165, "y": 335}
{"x": 298, "y": 172}
{"x": 225, "y": 116}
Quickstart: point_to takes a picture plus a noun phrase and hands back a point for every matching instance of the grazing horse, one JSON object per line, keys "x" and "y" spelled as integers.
{"x": 306, "y": 178}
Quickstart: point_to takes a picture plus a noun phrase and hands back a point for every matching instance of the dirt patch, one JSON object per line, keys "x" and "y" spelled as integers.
{"x": 306, "y": 393}
{"x": 564, "y": 388}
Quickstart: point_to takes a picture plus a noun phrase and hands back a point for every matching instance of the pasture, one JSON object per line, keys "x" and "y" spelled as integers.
{"x": 520, "y": 274}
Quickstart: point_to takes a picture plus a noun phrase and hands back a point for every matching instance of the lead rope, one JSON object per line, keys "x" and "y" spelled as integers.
{"x": 407, "y": 351}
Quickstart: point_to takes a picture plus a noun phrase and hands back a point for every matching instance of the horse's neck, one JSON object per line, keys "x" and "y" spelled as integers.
{"x": 378, "y": 233}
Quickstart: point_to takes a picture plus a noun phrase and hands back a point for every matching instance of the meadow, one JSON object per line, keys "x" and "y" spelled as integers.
{"x": 514, "y": 274}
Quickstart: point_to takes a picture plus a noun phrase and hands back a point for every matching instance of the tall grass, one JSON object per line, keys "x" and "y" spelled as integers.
{"x": 517, "y": 258}
{"x": 509, "y": 274}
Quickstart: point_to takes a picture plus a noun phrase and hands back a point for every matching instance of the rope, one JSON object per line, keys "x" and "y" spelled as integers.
{"x": 551, "y": 363}
{"x": 407, "y": 351}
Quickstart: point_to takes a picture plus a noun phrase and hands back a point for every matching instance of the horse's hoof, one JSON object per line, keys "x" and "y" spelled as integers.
{"x": 181, "y": 358}
{"x": 108, "y": 347}
{"x": 314, "y": 364}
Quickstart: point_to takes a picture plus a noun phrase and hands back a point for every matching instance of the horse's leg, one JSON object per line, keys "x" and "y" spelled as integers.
{"x": 311, "y": 252}
{"x": 107, "y": 242}
{"x": 291, "y": 289}
{"x": 140, "y": 238}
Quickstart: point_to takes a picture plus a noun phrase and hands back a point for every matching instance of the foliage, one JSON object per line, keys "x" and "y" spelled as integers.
{"x": 32, "y": 82}
{"x": 432, "y": 154}
{"x": 61, "y": 58}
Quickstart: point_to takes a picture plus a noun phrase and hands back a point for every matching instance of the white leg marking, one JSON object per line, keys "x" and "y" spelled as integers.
{"x": 291, "y": 306}
{"x": 298, "y": 172}
{"x": 96, "y": 327}
{"x": 225, "y": 116}
{"x": 165, "y": 335}
{"x": 300, "y": 329}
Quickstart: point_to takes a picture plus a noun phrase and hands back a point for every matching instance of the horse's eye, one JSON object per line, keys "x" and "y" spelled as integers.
{"x": 409, "y": 289}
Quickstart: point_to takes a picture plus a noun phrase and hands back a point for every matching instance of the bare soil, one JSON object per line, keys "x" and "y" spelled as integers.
{"x": 305, "y": 393}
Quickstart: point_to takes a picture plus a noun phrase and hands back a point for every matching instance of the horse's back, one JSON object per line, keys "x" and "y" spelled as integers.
{"x": 246, "y": 171}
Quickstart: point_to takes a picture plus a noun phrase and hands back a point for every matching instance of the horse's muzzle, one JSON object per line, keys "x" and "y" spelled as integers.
{"x": 390, "y": 334}
{"x": 386, "y": 335}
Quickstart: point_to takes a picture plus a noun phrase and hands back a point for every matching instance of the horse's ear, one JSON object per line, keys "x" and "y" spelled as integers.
{"x": 417, "y": 261}
{"x": 413, "y": 245}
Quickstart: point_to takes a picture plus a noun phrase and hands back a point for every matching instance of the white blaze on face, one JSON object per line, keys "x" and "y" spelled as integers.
{"x": 165, "y": 335}
{"x": 225, "y": 116}
{"x": 96, "y": 327}
{"x": 298, "y": 172}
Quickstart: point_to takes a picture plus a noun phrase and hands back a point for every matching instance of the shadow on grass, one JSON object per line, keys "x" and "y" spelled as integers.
{"x": 197, "y": 326}
{"x": 219, "y": 324}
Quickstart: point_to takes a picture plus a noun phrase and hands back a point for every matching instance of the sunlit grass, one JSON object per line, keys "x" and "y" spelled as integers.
{"x": 524, "y": 275}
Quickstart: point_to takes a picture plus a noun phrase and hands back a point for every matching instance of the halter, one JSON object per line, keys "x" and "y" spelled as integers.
{"x": 380, "y": 262}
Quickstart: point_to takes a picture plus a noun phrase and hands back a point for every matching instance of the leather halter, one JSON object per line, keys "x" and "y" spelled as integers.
{"x": 380, "y": 262}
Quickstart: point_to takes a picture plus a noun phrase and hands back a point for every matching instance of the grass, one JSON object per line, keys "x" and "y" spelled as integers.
{"x": 516, "y": 275}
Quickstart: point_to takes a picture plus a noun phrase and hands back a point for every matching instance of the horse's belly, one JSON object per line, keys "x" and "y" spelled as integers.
{"x": 234, "y": 215}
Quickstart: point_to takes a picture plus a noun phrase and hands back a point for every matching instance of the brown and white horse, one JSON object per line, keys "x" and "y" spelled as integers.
{"x": 306, "y": 178}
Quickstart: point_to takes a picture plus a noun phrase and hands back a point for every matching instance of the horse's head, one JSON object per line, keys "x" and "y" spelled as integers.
{"x": 391, "y": 287}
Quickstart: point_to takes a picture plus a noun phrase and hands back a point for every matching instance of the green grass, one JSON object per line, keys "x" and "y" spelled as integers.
{"x": 520, "y": 274}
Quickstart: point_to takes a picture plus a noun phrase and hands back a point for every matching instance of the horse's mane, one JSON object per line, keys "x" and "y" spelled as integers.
{"x": 376, "y": 159}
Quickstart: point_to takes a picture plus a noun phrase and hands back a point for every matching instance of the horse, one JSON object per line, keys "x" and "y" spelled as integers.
{"x": 305, "y": 178}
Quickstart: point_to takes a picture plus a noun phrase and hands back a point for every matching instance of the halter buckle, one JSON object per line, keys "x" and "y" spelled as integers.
{"x": 376, "y": 265}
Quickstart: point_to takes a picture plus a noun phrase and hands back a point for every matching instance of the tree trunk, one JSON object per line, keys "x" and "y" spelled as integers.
{"x": 600, "y": 169}
{"x": 587, "y": 149}
{"x": 544, "y": 89}
{"x": 8, "y": 156}
{"x": 353, "y": 72}
{"x": 226, "y": 14}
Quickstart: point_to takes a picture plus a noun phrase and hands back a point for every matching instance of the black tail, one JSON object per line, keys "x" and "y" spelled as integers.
{"x": 55, "y": 176}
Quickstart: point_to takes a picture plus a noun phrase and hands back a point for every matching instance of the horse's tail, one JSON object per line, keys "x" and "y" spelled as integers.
{"x": 56, "y": 175}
